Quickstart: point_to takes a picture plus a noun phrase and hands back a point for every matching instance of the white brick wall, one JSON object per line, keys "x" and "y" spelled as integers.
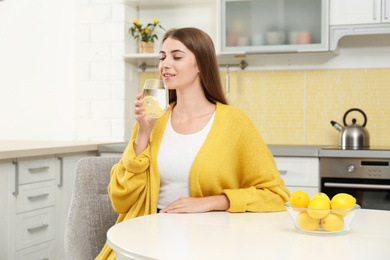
{"x": 102, "y": 102}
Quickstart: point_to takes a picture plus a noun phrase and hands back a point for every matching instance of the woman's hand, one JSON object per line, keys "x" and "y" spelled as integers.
{"x": 144, "y": 122}
{"x": 145, "y": 126}
{"x": 197, "y": 205}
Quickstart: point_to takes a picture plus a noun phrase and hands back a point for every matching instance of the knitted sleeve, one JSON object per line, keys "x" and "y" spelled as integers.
{"x": 129, "y": 177}
{"x": 261, "y": 189}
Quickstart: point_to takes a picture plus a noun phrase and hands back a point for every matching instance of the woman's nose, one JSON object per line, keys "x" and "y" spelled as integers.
{"x": 165, "y": 63}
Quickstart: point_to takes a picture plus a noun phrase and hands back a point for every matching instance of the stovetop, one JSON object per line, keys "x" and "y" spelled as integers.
{"x": 368, "y": 152}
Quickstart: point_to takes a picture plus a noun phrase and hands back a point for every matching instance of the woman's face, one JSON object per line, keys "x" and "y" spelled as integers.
{"x": 178, "y": 66}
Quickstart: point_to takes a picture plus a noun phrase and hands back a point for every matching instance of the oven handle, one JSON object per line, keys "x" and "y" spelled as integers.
{"x": 355, "y": 185}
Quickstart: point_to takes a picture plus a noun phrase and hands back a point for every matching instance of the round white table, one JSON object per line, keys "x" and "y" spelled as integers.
{"x": 239, "y": 236}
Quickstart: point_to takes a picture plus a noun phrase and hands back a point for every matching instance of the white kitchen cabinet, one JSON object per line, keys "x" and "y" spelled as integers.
{"x": 35, "y": 194}
{"x": 7, "y": 178}
{"x": 65, "y": 181}
{"x": 357, "y": 17}
{"x": 270, "y": 26}
{"x": 300, "y": 173}
{"x": 359, "y": 12}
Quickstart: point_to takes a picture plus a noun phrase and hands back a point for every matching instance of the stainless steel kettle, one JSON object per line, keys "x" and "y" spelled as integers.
{"x": 353, "y": 136}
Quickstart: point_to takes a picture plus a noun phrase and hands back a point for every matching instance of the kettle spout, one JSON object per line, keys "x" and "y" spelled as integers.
{"x": 337, "y": 126}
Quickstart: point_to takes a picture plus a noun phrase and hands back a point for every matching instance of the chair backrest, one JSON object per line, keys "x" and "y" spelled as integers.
{"x": 90, "y": 213}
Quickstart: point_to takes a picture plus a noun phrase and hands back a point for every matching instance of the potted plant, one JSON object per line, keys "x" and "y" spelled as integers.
{"x": 145, "y": 35}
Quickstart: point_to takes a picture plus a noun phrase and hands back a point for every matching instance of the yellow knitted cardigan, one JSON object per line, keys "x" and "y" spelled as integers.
{"x": 233, "y": 161}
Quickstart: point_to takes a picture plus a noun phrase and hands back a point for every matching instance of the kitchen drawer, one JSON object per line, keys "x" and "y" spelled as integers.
{"x": 37, "y": 169}
{"x": 34, "y": 227}
{"x": 42, "y": 252}
{"x": 35, "y": 196}
{"x": 299, "y": 171}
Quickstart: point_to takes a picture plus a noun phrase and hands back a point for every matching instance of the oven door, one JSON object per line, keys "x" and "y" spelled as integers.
{"x": 369, "y": 194}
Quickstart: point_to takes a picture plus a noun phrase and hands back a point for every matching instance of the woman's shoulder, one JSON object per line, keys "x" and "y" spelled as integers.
{"x": 231, "y": 112}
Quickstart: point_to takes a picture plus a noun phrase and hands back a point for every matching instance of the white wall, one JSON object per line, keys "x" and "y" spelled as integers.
{"x": 100, "y": 70}
{"x": 37, "y": 69}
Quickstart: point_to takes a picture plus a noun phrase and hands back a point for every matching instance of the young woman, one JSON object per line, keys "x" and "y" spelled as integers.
{"x": 201, "y": 155}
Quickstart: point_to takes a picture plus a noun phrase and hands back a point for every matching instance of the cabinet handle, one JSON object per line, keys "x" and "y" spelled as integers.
{"x": 386, "y": 8}
{"x": 41, "y": 196}
{"x": 39, "y": 169}
{"x": 282, "y": 172}
{"x": 374, "y": 15}
{"x": 34, "y": 229}
{"x": 357, "y": 186}
{"x": 16, "y": 187}
{"x": 61, "y": 183}
{"x": 273, "y": 51}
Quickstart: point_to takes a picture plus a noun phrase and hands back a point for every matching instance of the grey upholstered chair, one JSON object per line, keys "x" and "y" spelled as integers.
{"x": 90, "y": 214}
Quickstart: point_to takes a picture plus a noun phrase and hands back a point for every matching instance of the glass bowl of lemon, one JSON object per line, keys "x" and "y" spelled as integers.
{"x": 321, "y": 215}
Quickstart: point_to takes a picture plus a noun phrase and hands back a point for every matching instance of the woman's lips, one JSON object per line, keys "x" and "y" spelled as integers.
{"x": 168, "y": 76}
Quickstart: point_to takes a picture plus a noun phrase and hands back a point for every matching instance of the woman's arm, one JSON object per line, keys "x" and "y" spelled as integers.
{"x": 129, "y": 177}
{"x": 196, "y": 205}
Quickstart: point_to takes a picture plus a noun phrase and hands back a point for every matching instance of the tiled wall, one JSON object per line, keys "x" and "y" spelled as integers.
{"x": 296, "y": 107}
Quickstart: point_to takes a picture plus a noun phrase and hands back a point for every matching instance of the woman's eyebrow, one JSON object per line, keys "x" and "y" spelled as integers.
{"x": 174, "y": 51}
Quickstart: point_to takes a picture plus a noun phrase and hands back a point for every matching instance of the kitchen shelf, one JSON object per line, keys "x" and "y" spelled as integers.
{"x": 150, "y": 60}
{"x": 164, "y": 2}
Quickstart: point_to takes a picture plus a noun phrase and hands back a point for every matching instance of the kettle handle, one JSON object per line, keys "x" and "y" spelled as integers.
{"x": 355, "y": 109}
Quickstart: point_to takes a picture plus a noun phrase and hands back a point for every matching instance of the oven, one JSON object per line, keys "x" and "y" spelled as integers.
{"x": 365, "y": 178}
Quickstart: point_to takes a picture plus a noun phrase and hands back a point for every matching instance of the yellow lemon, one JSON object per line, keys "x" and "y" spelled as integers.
{"x": 157, "y": 113}
{"x": 319, "y": 203}
{"x": 320, "y": 195}
{"x": 342, "y": 201}
{"x": 332, "y": 222}
{"x": 150, "y": 104}
{"x": 299, "y": 199}
{"x": 306, "y": 222}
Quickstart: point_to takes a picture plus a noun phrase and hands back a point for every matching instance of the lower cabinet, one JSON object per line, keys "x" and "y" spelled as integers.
{"x": 35, "y": 194}
{"x": 300, "y": 173}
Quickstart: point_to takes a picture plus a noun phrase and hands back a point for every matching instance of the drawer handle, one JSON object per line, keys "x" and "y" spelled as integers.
{"x": 61, "y": 181}
{"x": 35, "y": 229}
{"x": 16, "y": 187}
{"x": 357, "y": 186}
{"x": 39, "y": 169}
{"x": 282, "y": 172}
{"x": 41, "y": 196}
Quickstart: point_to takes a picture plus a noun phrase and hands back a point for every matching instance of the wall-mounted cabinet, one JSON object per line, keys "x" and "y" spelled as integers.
{"x": 358, "y": 17}
{"x": 272, "y": 26}
{"x": 359, "y": 12}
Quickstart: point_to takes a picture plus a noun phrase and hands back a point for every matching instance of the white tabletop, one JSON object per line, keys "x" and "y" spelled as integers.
{"x": 239, "y": 236}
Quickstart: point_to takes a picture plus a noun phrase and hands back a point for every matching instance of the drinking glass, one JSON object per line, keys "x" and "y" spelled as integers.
{"x": 155, "y": 98}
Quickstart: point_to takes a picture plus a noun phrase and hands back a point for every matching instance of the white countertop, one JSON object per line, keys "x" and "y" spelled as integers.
{"x": 222, "y": 235}
{"x": 10, "y": 149}
{"x": 290, "y": 151}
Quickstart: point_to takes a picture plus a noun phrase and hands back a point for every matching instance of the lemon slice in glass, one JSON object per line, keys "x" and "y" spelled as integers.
{"x": 150, "y": 105}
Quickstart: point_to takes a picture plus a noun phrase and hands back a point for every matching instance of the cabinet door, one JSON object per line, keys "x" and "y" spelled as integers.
{"x": 65, "y": 181}
{"x": 299, "y": 173}
{"x": 259, "y": 26}
{"x": 385, "y": 11}
{"x": 355, "y": 12}
{"x": 7, "y": 186}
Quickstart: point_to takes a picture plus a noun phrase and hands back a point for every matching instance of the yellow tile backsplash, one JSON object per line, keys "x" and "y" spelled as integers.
{"x": 296, "y": 106}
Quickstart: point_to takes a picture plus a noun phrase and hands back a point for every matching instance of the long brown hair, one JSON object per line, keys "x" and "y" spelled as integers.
{"x": 201, "y": 45}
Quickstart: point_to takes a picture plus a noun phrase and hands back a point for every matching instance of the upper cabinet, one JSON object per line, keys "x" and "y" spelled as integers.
{"x": 357, "y": 17}
{"x": 359, "y": 12}
{"x": 261, "y": 26}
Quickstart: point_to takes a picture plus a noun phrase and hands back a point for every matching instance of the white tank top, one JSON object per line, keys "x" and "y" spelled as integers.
{"x": 175, "y": 157}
